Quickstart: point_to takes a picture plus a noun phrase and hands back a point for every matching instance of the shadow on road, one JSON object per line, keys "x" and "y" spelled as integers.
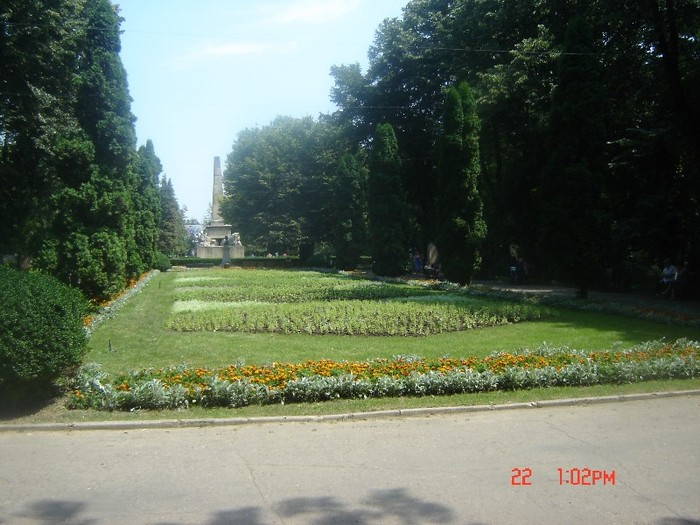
{"x": 380, "y": 506}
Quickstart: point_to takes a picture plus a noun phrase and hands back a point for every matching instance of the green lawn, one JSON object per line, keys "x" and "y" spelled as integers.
{"x": 140, "y": 337}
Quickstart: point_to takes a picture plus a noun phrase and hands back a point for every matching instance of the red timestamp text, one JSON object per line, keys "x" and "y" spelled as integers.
{"x": 522, "y": 476}
{"x": 585, "y": 476}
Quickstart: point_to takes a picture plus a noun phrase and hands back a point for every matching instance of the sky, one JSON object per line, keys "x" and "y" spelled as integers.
{"x": 201, "y": 72}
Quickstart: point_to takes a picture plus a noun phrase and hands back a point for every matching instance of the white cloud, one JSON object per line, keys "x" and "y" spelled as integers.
{"x": 231, "y": 49}
{"x": 311, "y": 11}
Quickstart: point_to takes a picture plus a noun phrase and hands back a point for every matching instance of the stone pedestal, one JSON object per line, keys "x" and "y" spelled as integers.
{"x": 210, "y": 252}
{"x": 217, "y": 252}
{"x": 218, "y": 232}
{"x": 237, "y": 252}
{"x": 215, "y": 248}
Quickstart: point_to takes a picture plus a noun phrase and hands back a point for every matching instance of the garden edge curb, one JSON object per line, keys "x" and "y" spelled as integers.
{"x": 409, "y": 412}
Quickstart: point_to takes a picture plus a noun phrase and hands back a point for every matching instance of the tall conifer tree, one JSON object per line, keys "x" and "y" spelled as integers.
{"x": 388, "y": 216}
{"x": 40, "y": 140}
{"x": 461, "y": 226}
{"x": 147, "y": 207}
{"x": 350, "y": 231}
{"x": 99, "y": 251}
{"x": 173, "y": 234}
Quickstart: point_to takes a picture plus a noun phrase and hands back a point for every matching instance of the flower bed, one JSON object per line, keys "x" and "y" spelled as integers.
{"x": 241, "y": 385}
{"x": 304, "y": 302}
{"x": 377, "y": 318}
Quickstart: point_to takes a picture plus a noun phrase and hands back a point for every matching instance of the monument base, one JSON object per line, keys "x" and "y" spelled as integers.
{"x": 217, "y": 252}
{"x": 218, "y": 232}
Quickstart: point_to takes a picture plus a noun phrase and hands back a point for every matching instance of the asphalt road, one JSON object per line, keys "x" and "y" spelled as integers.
{"x": 640, "y": 458}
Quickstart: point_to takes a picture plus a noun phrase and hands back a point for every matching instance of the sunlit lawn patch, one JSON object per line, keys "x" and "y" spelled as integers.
{"x": 289, "y": 287}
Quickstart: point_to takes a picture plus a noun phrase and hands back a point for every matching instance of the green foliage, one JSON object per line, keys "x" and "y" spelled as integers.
{"x": 41, "y": 330}
{"x": 280, "y": 286}
{"x": 162, "y": 262}
{"x": 147, "y": 205}
{"x": 357, "y": 317}
{"x": 104, "y": 274}
{"x": 173, "y": 234}
{"x": 76, "y": 201}
{"x": 461, "y": 226}
{"x": 142, "y": 341}
{"x": 388, "y": 213}
{"x": 510, "y": 52}
{"x": 350, "y": 227}
{"x": 277, "y": 179}
{"x": 38, "y": 133}
{"x": 572, "y": 207}
{"x": 312, "y": 303}
{"x": 321, "y": 257}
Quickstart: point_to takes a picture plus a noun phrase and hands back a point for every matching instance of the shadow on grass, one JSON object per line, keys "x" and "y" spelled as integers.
{"x": 25, "y": 401}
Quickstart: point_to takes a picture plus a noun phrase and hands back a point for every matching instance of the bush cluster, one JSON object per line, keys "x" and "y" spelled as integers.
{"x": 41, "y": 330}
{"x": 162, "y": 262}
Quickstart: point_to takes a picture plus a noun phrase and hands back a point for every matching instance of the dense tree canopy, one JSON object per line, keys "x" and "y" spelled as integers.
{"x": 639, "y": 60}
{"x": 460, "y": 224}
{"x": 278, "y": 185}
{"x": 173, "y": 239}
{"x": 77, "y": 199}
{"x": 388, "y": 217}
{"x": 588, "y": 139}
{"x": 350, "y": 222}
{"x": 571, "y": 203}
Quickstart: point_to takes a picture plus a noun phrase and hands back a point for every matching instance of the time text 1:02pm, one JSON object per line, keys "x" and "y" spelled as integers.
{"x": 522, "y": 476}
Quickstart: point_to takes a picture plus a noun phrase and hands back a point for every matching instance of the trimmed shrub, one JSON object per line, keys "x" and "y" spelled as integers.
{"x": 162, "y": 262}
{"x": 41, "y": 330}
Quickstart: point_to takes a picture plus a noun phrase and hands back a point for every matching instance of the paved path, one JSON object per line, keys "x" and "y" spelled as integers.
{"x": 445, "y": 469}
{"x": 639, "y": 300}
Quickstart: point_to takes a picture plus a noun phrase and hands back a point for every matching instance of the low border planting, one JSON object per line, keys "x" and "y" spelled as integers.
{"x": 241, "y": 385}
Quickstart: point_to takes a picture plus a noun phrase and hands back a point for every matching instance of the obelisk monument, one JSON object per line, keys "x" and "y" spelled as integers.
{"x": 217, "y": 240}
{"x": 218, "y": 193}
